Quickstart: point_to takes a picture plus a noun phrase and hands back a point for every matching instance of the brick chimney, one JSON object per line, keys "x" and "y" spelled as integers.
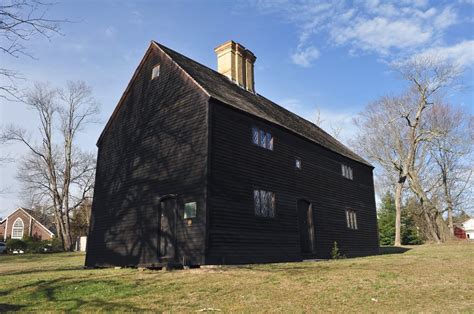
{"x": 236, "y": 62}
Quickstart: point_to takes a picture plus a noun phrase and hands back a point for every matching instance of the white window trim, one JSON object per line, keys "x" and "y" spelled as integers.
{"x": 22, "y": 228}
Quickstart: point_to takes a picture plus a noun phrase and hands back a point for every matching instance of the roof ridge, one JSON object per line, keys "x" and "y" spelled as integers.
{"x": 254, "y": 104}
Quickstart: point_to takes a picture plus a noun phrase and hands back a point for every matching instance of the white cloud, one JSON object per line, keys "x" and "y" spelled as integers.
{"x": 391, "y": 28}
{"x": 461, "y": 53}
{"x": 381, "y": 34}
{"x": 305, "y": 56}
{"x": 446, "y": 18}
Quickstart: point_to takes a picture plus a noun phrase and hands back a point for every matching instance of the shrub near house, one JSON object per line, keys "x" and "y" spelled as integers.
{"x": 33, "y": 245}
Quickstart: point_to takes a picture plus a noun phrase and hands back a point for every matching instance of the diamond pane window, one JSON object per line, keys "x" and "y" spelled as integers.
{"x": 262, "y": 138}
{"x": 272, "y": 205}
{"x": 257, "y": 203}
{"x": 269, "y": 141}
{"x": 264, "y": 202}
{"x": 255, "y": 132}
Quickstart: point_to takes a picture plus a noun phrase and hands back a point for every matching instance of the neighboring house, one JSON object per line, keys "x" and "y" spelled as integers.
{"x": 195, "y": 167}
{"x": 23, "y": 222}
{"x": 468, "y": 227}
{"x": 459, "y": 232}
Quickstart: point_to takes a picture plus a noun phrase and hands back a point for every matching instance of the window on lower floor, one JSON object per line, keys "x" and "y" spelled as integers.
{"x": 17, "y": 229}
{"x": 190, "y": 210}
{"x": 351, "y": 218}
{"x": 264, "y": 203}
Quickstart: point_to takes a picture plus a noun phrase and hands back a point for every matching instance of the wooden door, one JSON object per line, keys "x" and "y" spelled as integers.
{"x": 167, "y": 228}
{"x": 306, "y": 228}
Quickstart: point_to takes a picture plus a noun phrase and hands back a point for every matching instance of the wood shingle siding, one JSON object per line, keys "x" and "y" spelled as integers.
{"x": 238, "y": 167}
{"x": 188, "y": 133}
{"x": 156, "y": 145}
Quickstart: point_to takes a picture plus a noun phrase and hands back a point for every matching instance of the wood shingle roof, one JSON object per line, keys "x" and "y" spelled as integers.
{"x": 221, "y": 88}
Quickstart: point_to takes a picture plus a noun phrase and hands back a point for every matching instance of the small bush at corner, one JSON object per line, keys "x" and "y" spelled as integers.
{"x": 336, "y": 253}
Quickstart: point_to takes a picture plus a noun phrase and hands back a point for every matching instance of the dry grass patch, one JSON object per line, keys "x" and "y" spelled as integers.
{"x": 426, "y": 278}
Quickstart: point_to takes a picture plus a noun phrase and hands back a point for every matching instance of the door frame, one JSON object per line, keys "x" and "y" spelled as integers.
{"x": 310, "y": 218}
{"x": 161, "y": 199}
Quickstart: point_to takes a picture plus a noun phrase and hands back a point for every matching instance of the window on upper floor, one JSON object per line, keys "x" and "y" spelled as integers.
{"x": 262, "y": 138}
{"x": 155, "y": 72}
{"x": 347, "y": 172}
{"x": 351, "y": 219}
{"x": 298, "y": 163}
{"x": 264, "y": 203}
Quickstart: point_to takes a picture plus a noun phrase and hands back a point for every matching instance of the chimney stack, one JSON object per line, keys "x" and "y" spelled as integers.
{"x": 236, "y": 62}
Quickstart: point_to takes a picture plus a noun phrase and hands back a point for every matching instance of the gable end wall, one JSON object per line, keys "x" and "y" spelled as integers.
{"x": 155, "y": 145}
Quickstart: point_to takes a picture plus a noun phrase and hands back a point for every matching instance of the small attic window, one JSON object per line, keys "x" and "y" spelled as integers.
{"x": 155, "y": 72}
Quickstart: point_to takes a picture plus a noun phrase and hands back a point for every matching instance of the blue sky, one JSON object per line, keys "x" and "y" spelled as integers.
{"x": 311, "y": 55}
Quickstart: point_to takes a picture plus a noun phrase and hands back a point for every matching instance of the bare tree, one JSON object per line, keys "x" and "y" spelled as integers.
{"x": 319, "y": 121}
{"x": 58, "y": 171}
{"x": 381, "y": 139}
{"x": 452, "y": 155}
{"x": 21, "y": 20}
{"x": 428, "y": 78}
{"x": 394, "y": 134}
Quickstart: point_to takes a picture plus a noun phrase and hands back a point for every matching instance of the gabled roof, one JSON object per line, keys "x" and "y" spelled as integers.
{"x": 41, "y": 220}
{"x": 221, "y": 88}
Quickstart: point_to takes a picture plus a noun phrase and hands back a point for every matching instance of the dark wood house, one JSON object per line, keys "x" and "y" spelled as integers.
{"x": 195, "y": 167}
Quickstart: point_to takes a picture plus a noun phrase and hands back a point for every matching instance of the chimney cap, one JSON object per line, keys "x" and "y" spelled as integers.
{"x": 237, "y": 63}
{"x": 238, "y": 47}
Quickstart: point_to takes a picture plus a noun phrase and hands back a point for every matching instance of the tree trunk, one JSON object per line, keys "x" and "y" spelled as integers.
{"x": 398, "y": 212}
{"x": 431, "y": 227}
{"x": 450, "y": 206}
{"x": 435, "y": 224}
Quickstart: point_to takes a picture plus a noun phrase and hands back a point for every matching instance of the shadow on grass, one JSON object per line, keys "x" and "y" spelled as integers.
{"x": 34, "y": 271}
{"x": 9, "y": 307}
{"x": 72, "y": 295}
{"x": 393, "y": 250}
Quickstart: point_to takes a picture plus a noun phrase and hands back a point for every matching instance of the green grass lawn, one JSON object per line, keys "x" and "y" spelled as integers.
{"x": 425, "y": 278}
